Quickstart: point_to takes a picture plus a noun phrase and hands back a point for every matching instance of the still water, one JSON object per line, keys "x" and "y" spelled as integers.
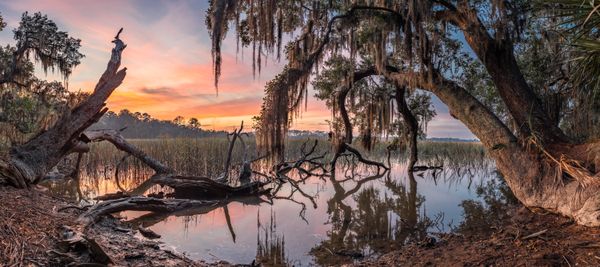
{"x": 359, "y": 212}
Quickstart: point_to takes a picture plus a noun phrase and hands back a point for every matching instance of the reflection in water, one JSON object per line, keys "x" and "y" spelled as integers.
{"x": 354, "y": 213}
{"x": 270, "y": 251}
{"x": 377, "y": 224}
{"x": 480, "y": 216}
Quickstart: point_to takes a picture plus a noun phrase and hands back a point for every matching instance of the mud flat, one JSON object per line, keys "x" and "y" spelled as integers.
{"x": 33, "y": 228}
{"x": 521, "y": 238}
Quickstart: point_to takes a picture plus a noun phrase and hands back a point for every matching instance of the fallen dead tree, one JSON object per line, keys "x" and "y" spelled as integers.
{"x": 29, "y": 163}
{"x": 189, "y": 187}
{"x": 202, "y": 187}
{"x": 140, "y": 203}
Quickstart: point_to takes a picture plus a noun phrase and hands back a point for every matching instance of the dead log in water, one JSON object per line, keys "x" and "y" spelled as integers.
{"x": 195, "y": 187}
{"x": 140, "y": 203}
{"x": 205, "y": 188}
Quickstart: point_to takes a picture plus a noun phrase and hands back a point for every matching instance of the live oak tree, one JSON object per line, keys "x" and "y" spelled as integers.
{"x": 29, "y": 104}
{"x": 371, "y": 103}
{"x": 478, "y": 57}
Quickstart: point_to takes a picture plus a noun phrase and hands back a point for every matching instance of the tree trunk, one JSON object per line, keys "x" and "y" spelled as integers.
{"x": 28, "y": 163}
{"x": 499, "y": 60}
{"x": 411, "y": 125}
{"x": 534, "y": 179}
{"x": 341, "y": 101}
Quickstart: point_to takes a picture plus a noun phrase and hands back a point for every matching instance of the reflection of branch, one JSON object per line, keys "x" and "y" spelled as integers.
{"x": 229, "y": 225}
{"x": 296, "y": 188}
{"x": 141, "y": 204}
{"x": 308, "y": 165}
{"x": 117, "y": 180}
{"x": 302, "y": 210}
{"x": 360, "y": 183}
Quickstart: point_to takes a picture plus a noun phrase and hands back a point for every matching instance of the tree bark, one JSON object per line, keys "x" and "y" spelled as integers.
{"x": 499, "y": 60}
{"x": 341, "y": 101}
{"x": 28, "y": 163}
{"x": 411, "y": 125}
{"x": 533, "y": 179}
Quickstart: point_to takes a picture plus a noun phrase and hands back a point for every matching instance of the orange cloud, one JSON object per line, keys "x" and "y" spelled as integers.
{"x": 169, "y": 49}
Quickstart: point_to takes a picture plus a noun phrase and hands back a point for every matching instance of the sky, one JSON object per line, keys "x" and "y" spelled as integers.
{"x": 169, "y": 65}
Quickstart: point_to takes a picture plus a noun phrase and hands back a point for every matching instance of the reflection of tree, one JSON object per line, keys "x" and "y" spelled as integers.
{"x": 378, "y": 223}
{"x": 152, "y": 218}
{"x": 271, "y": 250}
{"x": 411, "y": 226}
{"x": 481, "y": 216}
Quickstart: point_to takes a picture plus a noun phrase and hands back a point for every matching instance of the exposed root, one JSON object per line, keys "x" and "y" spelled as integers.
{"x": 572, "y": 167}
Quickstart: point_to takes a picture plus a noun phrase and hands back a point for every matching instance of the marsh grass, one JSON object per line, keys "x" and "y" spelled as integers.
{"x": 206, "y": 157}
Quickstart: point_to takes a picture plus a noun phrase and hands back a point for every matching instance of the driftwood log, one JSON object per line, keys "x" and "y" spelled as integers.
{"x": 193, "y": 187}
{"x": 140, "y": 203}
{"x": 29, "y": 163}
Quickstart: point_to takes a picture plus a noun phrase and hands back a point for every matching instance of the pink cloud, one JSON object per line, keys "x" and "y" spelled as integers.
{"x": 171, "y": 49}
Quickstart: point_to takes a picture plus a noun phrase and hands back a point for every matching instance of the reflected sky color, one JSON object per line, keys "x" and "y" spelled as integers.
{"x": 169, "y": 63}
{"x": 207, "y": 236}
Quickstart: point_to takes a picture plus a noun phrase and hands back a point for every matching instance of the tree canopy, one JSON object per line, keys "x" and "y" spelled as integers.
{"x": 28, "y": 103}
{"x": 513, "y": 57}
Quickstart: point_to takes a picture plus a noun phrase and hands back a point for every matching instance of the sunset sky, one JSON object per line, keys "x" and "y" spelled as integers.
{"x": 169, "y": 62}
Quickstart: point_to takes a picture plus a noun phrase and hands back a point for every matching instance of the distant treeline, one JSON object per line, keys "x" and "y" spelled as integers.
{"x": 450, "y": 139}
{"x": 144, "y": 126}
{"x": 295, "y": 134}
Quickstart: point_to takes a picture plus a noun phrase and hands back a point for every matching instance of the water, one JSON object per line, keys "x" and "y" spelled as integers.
{"x": 358, "y": 214}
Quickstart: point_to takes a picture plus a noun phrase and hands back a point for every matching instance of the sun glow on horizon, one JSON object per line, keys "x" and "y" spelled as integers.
{"x": 169, "y": 65}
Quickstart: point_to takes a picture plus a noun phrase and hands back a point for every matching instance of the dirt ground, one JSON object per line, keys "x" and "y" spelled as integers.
{"x": 32, "y": 226}
{"x": 525, "y": 238}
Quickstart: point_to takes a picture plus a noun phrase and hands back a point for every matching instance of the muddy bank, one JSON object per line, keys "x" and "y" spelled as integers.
{"x": 32, "y": 225}
{"x": 521, "y": 238}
